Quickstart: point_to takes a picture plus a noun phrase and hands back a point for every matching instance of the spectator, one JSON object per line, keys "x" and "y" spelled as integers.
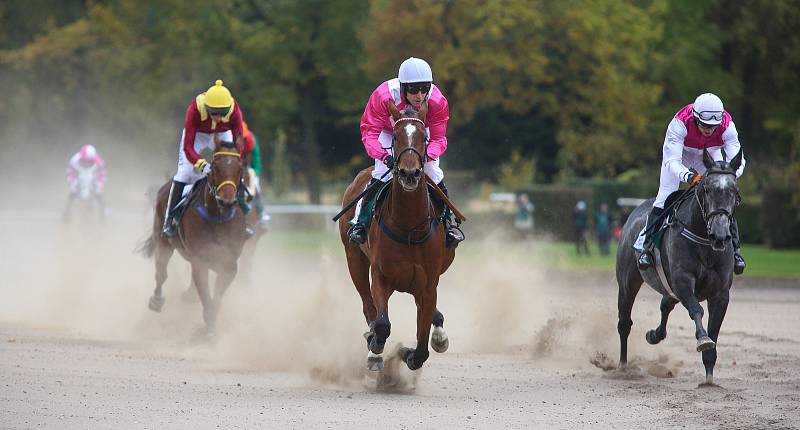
{"x": 523, "y": 221}
{"x": 581, "y": 225}
{"x": 602, "y": 225}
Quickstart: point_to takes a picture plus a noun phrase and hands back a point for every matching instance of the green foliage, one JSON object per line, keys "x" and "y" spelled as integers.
{"x": 518, "y": 172}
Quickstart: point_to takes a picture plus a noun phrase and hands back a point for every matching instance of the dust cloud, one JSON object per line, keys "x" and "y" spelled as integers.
{"x": 298, "y": 313}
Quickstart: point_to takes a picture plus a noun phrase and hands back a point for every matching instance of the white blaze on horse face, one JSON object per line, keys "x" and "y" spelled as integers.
{"x": 410, "y": 129}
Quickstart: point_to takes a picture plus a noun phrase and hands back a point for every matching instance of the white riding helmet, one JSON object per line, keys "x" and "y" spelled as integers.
{"x": 708, "y": 109}
{"x": 415, "y": 70}
{"x": 87, "y": 151}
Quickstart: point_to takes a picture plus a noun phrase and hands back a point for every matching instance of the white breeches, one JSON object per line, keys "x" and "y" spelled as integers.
{"x": 186, "y": 173}
{"x": 669, "y": 182}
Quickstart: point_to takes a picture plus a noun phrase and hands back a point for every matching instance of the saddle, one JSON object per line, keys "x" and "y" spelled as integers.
{"x": 673, "y": 203}
{"x": 188, "y": 201}
{"x": 368, "y": 208}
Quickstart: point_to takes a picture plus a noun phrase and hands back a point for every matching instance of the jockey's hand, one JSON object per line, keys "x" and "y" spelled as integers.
{"x": 693, "y": 179}
{"x": 201, "y": 166}
{"x": 389, "y": 161}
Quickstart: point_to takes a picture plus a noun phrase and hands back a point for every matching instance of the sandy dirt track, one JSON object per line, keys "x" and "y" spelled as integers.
{"x": 80, "y": 350}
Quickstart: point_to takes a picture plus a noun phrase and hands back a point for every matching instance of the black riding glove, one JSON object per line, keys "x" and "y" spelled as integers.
{"x": 389, "y": 161}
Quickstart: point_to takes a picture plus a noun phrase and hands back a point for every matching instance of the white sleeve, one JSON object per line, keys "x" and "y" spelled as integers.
{"x": 730, "y": 140}
{"x": 673, "y": 149}
{"x": 74, "y": 162}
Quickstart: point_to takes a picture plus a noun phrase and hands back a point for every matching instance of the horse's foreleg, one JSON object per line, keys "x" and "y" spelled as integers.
{"x": 439, "y": 340}
{"x": 380, "y": 328}
{"x": 200, "y": 281}
{"x": 628, "y": 289}
{"x": 426, "y": 307}
{"x": 684, "y": 289}
{"x": 163, "y": 253}
{"x": 717, "y": 307}
{"x": 655, "y": 336}
{"x": 224, "y": 279}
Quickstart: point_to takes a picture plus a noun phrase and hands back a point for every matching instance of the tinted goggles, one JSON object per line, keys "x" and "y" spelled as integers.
{"x": 418, "y": 88}
{"x": 708, "y": 115}
{"x": 218, "y": 111}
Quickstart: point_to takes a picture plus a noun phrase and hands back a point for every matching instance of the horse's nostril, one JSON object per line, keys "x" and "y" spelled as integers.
{"x": 418, "y": 173}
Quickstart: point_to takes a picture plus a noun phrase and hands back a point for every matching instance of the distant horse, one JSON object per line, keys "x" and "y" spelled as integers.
{"x": 406, "y": 248}
{"x": 697, "y": 258}
{"x": 211, "y": 234}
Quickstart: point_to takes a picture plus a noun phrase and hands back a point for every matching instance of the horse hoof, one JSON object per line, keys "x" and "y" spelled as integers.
{"x": 156, "y": 303}
{"x": 651, "y": 337}
{"x": 374, "y": 362}
{"x": 705, "y": 343}
{"x": 439, "y": 340}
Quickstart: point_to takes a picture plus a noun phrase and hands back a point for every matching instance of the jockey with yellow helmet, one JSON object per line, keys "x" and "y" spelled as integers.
{"x": 212, "y": 112}
{"x": 702, "y": 125}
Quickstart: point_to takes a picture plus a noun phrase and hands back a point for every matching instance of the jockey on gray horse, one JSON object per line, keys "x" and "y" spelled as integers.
{"x": 701, "y": 125}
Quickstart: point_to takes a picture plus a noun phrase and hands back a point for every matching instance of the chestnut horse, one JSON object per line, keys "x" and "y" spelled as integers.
{"x": 406, "y": 247}
{"x": 211, "y": 234}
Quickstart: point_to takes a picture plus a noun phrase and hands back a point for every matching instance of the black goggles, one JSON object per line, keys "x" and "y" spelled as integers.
{"x": 217, "y": 111}
{"x": 709, "y": 115}
{"x": 424, "y": 88}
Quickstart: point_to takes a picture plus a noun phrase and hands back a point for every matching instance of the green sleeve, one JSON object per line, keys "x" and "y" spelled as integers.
{"x": 255, "y": 157}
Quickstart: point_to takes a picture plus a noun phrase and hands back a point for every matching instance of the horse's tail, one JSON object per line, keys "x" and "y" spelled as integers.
{"x": 146, "y": 247}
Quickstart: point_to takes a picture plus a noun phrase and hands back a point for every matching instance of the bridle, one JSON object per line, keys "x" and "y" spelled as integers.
{"x": 212, "y": 190}
{"x": 709, "y": 217}
{"x": 423, "y": 158}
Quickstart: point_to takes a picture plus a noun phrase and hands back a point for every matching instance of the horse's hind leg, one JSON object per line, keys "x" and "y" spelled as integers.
{"x": 717, "y": 307}
{"x": 163, "y": 252}
{"x": 629, "y": 285}
{"x": 439, "y": 339}
{"x": 358, "y": 265}
{"x": 655, "y": 336}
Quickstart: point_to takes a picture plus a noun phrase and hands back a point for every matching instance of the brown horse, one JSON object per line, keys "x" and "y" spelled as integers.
{"x": 211, "y": 234}
{"x": 406, "y": 248}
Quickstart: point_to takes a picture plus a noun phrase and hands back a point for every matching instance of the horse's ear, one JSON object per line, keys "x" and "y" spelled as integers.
{"x": 393, "y": 110}
{"x": 423, "y": 111}
{"x": 737, "y": 161}
{"x": 708, "y": 161}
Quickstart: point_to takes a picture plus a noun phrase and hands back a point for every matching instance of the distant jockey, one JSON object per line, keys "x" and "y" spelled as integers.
{"x": 86, "y": 177}
{"x": 704, "y": 124}
{"x": 212, "y": 112}
{"x": 413, "y": 86}
{"x": 252, "y": 157}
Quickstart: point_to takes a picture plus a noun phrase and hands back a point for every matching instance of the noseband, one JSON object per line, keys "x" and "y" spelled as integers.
{"x": 423, "y": 158}
{"x": 213, "y": 191}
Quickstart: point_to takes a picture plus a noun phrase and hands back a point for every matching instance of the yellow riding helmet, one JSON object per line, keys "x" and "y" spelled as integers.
{"x": 218, "y": 96}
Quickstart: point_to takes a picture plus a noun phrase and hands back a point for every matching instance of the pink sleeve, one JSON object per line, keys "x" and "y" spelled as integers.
{"x": 437, "y": 123}
{"x": 101, "y": 171}
{"x": 373, "y": 121}
{"x": 72, "y": 170}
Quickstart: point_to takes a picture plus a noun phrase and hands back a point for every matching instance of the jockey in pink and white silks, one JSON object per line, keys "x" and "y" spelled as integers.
{"x": 86, "y": 177}
{"x": 703, "y": 124}
{"x": 413, "y": 86}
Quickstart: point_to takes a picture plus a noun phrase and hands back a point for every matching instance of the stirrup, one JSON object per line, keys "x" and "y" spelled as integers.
{"x": 454, "y": 236}
{"x": 357, "y": 234}
{"x": 738, "y": 264}
{"x": 169, "y": 229}
{"x": 645, "y": 260}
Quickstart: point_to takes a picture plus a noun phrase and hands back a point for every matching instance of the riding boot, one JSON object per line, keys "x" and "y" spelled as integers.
{"x": 646, "y": 259}
{"x": 738, "y": 261}
{"x": 454, "y": 233}
{"x": 175, "y": 192}
{"x": 358, "y": 232}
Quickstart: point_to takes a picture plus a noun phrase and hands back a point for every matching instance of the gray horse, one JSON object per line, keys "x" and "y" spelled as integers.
{"x": 693, "y": 263}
